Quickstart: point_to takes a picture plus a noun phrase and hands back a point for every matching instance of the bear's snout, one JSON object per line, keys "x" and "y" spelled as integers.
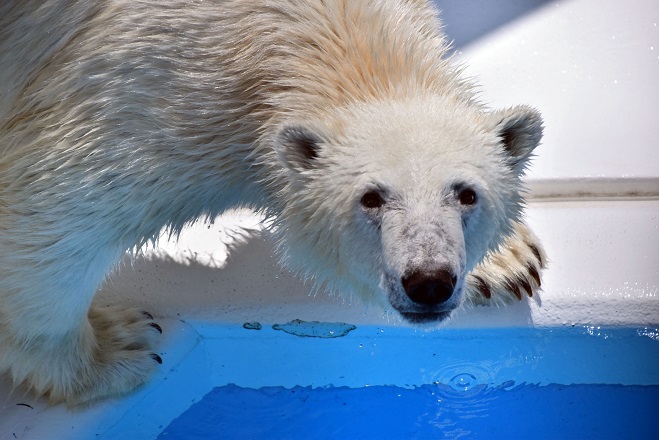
{"x": 429, "y": 289}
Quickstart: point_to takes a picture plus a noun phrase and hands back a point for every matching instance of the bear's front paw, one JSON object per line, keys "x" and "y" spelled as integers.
{"x": 109, "y": 354}
{"x": 124, "y": 355}
{"x": 510, "y": 273}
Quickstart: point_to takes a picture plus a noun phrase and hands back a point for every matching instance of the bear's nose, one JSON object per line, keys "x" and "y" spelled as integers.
{"x": 429, "y": 289}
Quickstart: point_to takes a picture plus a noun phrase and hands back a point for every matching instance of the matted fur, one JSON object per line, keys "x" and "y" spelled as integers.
{"x": 122, "y": 117}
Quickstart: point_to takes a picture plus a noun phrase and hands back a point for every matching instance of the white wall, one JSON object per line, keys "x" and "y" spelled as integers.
{"x": 590, "y": 66}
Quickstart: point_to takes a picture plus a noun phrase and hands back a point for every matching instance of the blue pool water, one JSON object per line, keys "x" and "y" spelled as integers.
{"x": 425, "y": 412}
{"x": 330, "y": 380}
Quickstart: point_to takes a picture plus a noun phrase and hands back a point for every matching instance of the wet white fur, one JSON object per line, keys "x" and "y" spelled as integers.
{"x": 121, "y": 117}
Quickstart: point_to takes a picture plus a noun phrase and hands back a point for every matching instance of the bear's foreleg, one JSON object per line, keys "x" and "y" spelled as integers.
{"x": 52, "y": 339}
{"x": 511, "y": 272}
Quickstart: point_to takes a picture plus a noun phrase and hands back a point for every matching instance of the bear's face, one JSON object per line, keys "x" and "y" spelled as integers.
{"x": 397, "y": 202}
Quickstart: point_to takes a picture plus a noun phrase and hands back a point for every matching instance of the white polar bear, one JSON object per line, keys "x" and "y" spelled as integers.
{"x": 341, "y": 120}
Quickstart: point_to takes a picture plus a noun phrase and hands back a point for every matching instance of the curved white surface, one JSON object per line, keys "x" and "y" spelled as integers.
{"x": 591, "y": 67}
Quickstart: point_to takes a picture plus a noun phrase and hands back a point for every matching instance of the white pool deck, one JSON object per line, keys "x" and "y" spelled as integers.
{"x": 591, "y": 67}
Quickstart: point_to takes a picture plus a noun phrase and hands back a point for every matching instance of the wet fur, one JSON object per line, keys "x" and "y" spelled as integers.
{"x": 119, "y": 118}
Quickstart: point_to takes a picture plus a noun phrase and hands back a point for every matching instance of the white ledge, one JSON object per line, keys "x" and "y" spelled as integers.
{"x": 591, "y": 188}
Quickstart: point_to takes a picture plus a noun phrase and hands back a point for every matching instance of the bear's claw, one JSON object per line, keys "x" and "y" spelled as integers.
{"x": 156, "y": 326}
{"x": 482, "y": 286}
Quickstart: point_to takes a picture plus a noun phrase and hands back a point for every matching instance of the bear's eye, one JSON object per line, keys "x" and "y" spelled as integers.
{"x": 467, "y": 197}
{"x": 372, "y": 200}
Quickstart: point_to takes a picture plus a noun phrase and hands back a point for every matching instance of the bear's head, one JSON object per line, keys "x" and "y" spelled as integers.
{"x": 397, "y": 201}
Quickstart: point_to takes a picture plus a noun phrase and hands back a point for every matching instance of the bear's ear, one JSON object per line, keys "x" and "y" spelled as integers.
{"x": 298, "y": 147}
{"x": 520, "y": 131}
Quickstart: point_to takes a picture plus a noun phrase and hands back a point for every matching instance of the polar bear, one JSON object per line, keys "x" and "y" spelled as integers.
{"x": 345, "y": 122}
